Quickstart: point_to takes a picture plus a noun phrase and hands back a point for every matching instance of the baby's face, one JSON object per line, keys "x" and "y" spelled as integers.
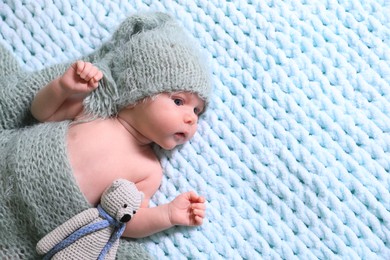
{"x": 169, "y": 119}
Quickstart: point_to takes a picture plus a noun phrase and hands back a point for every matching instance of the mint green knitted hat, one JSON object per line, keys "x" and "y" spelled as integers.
{"x": 148, "y": 54}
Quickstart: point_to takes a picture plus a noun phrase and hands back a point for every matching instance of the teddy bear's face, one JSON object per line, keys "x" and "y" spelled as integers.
{"x": 122, "y": 200}
{"x": 126, "y": 213}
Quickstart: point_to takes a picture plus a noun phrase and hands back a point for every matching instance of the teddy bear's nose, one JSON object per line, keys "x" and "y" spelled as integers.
{"x": 125, "y": 218}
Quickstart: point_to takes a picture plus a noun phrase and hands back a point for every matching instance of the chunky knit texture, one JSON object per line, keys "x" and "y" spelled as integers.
{"x": 293, "y": 152}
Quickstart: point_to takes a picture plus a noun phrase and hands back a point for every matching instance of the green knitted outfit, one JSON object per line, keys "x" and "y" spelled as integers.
{"x": 37, "y": 189}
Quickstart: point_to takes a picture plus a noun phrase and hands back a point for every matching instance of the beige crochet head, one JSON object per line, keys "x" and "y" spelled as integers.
{"x": 151, "y": 54}
{"x": 121, "y": 200}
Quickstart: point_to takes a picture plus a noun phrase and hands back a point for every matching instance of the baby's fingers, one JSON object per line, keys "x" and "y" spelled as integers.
{"x": 198, "y": 216}
{"x": 199, "y": 212}
{"x": 84, "y": 70}
{"x": 198, "y": 220}
{"x": 198, "y": 209}
{"x": 194, "y": 198}
{"x": 200, "y": 206}
{"x": 87, "y": 70}
{"x": 94, "y": 81}
{"x": 93, "y": 84}
{"x": 79, "y": 66}
{"x": 98, "y": 76}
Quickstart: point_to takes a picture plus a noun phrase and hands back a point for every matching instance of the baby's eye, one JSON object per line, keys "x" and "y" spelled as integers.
{"x": 196, "y": 111}
{"x": 178, "y": 102}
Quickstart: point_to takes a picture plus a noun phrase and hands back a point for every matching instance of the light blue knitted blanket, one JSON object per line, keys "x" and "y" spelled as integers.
{"x": 293, "y": 155}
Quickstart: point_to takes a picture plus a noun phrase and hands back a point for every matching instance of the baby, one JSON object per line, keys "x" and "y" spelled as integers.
{"x": 160, "y": 90}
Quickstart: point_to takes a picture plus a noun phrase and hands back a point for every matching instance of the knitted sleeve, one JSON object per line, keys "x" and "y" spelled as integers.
{"x": 18, "y": 88}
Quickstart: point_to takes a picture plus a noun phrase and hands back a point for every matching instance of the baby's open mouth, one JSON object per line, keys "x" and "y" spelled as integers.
{"x": 180, "y": 135}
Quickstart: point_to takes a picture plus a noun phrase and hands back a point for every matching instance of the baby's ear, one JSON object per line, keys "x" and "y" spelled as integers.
{"x": 137, "y": 23}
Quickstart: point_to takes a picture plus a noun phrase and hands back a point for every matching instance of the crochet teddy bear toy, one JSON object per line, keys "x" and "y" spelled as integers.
{"x": 95, "y": 232}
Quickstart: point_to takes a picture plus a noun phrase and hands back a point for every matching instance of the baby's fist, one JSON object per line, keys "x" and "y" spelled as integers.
{"x": 88, "y": 72}
{"x": 187, "y": 209}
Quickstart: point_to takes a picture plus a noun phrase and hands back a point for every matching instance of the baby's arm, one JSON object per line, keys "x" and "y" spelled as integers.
{"x": 187, "y": 209}
{"x": 63, "y": 97}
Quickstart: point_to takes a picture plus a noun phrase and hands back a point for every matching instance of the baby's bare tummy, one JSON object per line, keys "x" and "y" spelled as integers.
{"x": 99, "y": 155}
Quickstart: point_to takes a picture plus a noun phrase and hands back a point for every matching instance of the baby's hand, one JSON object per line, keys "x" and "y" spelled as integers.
{"x": 81, "y": 77}
{"x": 187, "y": 209}
{"x": 88, "y": 72}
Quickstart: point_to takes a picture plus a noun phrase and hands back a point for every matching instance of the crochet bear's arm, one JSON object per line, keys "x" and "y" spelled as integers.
{"x": 64, "y": 230}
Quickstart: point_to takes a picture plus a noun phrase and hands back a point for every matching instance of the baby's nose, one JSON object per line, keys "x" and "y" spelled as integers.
{"x": 190, "y": 119}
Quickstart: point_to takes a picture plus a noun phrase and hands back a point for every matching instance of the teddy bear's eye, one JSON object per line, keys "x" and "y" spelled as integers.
{"x": 134, "y": 212}
{"x": 125, "y": 206}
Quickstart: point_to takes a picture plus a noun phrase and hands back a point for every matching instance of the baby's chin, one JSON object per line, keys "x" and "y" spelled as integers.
{"x": 176, "y": 142}
{"x": 170, "y": 147}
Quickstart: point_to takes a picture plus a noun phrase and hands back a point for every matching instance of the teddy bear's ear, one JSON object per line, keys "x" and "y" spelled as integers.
{"x": 117, "y": 183}
{"x": 114, "y": 185}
